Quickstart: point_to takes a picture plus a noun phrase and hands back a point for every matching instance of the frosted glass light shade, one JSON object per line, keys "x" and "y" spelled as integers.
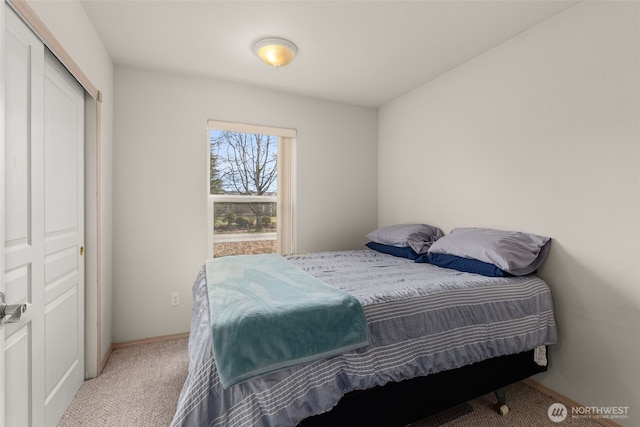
{"x": 275, "y": 51}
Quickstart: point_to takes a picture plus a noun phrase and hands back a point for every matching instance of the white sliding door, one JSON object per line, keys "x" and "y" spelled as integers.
{"x": 63, "y": 237}
{"x": 43, "y": 230}
{"x": 24, "y": 222}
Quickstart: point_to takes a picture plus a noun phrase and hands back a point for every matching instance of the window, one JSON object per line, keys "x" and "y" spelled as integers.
{"x": 250, "y": 189}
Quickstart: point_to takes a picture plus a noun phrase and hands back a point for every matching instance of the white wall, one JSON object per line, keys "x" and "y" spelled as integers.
{"x": 70, "y": 25}
{"x": 160, "y": 184}
{"x": 541, "y": 134}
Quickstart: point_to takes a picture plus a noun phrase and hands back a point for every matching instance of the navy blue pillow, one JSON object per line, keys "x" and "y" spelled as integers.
{"x": 403, "y": 252}
{"x": 467, "y": 265}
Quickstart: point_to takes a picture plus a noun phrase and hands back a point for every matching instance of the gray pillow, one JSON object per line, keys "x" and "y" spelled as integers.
{"x": 512, "y": 251}
{"x": 417, "y": 236}
{"x": 421, "y": 241}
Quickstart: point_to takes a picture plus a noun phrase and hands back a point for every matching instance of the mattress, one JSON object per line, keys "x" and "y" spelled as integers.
{"x": 422, "y": 319}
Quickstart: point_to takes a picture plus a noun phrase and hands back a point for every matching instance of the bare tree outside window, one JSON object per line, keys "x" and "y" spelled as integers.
{"x": 243, "y": 164}
{"x": 250, "y": 203}
{"x": 247, "y": 162}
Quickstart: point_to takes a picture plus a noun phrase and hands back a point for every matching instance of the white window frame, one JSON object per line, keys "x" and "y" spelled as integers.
{"x": 285, "y": 199}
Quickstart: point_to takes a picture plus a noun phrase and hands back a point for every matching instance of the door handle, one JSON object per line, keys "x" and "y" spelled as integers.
{"x": 10, "y": 313}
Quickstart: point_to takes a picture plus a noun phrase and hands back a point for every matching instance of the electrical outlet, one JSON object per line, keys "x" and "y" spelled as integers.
{"x": 175, "y": 298}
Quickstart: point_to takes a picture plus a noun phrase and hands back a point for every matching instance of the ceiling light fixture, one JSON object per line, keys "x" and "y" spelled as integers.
{"x": 275, "y": 51}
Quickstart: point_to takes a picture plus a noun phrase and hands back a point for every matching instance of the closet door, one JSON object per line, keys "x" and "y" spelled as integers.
{"x": 43, "y": 230}
{"x": 63, "y": 237}
{"x": 24, "y": 223}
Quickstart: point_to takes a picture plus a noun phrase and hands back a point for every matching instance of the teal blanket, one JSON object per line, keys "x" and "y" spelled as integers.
{"x": 267, "y": 314}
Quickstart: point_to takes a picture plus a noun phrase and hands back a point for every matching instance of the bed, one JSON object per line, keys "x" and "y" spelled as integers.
{"x": 437, "y": 337}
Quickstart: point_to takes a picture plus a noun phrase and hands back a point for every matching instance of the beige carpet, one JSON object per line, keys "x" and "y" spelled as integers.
{"x": 140, "y": 385}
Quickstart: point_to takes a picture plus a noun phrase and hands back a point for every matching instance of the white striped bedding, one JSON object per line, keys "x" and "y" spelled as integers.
{"x": 422, "y": 319}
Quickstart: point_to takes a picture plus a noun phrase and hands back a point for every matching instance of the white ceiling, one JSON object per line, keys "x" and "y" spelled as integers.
{"x": 359, "y": 52}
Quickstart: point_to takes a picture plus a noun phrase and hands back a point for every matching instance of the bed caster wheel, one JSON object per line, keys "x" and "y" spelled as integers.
{"x": 502, "y": 409}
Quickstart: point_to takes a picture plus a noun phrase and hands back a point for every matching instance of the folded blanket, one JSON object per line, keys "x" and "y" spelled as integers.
{"x": 267, "y": 314}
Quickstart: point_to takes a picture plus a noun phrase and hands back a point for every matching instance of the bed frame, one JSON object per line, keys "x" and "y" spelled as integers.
{"x": 398, "y": 404}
